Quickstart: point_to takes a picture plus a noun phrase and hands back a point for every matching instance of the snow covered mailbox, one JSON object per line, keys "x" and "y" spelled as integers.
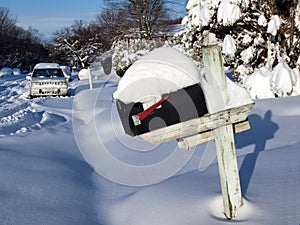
{"x": 159, "y": 90}
{"x": 163, "y": 96}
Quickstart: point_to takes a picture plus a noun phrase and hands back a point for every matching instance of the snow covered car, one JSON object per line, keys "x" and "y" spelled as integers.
{"x": 47, "y": 79}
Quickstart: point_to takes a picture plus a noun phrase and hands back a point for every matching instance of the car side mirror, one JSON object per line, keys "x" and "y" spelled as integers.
{"x": 28, "y": 78}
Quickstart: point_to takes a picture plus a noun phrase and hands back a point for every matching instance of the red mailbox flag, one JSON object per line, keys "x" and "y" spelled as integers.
{"x": 142, "y": 115}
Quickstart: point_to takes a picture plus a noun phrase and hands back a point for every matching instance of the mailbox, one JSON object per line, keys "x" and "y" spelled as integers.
{"x": 163, "y": 96}
{"x": 159, "y": 90}
{"x": 176, "y": 107}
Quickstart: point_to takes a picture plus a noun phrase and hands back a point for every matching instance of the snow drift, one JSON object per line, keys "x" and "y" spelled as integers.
{"x": 45, "y": 179}
{"x": 281, "y": 82}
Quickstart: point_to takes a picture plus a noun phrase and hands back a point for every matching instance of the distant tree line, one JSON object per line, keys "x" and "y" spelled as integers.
{"x": 79, "y": 44}
{"x": 19, "y": 47}
{"x": 82, "y": 42}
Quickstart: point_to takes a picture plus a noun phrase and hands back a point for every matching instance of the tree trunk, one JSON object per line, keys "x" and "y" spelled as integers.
{"x": 292, "y": 22}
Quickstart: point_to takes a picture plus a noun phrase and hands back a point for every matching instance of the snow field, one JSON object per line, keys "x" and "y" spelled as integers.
{"x": 46, "y": 180}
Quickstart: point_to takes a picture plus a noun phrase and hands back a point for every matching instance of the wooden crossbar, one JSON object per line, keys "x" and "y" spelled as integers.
{"x": 187, "y": 143}
{"x": 201, "y": 125}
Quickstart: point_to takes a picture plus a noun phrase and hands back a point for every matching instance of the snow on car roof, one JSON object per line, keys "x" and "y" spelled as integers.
{"x": 46, "y": 65}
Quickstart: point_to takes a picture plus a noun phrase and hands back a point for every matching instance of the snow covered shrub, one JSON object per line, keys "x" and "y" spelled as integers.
{"x": 264, "y": 83}
{"x": 258, "y": 83}
{"x": 282, "y": 80}
{"x": 129, "y": 50}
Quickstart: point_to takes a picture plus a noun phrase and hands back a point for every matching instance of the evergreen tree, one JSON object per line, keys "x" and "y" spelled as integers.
{"x": 254, "y": 33}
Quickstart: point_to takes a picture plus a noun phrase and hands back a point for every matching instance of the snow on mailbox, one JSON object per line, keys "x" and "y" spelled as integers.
{"x": 164, "y": 96}
{"x": 161, "y": 89}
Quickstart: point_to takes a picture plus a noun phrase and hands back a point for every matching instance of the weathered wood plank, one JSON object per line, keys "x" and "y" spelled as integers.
{"x": 223, "y": 135}
{"x": 186, "y": 143}
{"x": 241, "y": 126}
{"x": 228, "y": 170}
{"x": 198, "y": 125}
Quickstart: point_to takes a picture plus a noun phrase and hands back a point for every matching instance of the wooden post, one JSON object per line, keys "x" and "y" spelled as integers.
{"x": 224, "y": 139}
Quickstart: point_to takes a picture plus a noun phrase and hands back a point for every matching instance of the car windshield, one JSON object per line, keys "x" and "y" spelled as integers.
{"x": 48, "y": 73}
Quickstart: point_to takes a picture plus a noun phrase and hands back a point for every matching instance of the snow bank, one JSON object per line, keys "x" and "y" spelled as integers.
{"x": 6, "y": 71}
{"x": 46, "y": 181}
{"x": 267, "y": 156}
{"x": 282, "y": 81}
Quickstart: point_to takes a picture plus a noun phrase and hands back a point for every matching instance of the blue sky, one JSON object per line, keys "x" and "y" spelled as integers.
{"x": 50, "y": 15}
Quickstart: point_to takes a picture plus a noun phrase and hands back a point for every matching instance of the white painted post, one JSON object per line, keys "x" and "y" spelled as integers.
{"x": 90, "y": 79}
{"x": 224, "y": 139}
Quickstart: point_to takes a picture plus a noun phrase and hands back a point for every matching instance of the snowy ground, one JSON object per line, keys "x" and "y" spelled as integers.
{"x": 45, "y": 144}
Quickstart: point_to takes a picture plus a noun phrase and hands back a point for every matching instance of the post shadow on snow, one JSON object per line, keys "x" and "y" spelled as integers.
{"x": 262, "y": 130}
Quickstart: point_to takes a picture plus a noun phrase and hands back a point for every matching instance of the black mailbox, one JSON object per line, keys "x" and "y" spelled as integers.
{"x": 176, "y": 107}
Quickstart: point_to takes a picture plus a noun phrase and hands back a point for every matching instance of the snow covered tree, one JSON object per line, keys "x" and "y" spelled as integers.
{"x": 81, "y": 43}
{"x": 112, "y": 22}
{"x": 253, "y": 33}
{"x": 148, "y": 15}
{"x": 143, "y": 29}
{"x": 128, "y": 49}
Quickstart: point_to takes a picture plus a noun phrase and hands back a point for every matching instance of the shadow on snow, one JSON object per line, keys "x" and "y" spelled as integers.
{"x": 262, "y": 130}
